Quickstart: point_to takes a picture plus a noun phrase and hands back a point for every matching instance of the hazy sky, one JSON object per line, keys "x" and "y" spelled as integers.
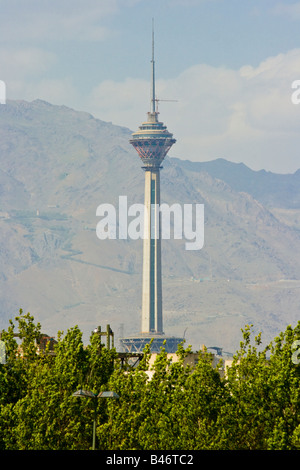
{"x": 229, "y": 63}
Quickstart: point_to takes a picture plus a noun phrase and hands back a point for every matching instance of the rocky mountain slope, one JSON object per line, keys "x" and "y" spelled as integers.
{"x": 58, "y": 165}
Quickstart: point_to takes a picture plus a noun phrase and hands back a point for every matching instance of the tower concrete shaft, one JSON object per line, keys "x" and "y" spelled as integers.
{"x": 152, "y": 142}
{"x": 152, "y": 320}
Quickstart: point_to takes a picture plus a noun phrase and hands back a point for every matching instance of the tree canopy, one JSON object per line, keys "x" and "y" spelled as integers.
{"x": 254, "y": 405}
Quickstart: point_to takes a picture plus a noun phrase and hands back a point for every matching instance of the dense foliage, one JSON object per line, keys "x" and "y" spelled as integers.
{"x": 255, "y": 405}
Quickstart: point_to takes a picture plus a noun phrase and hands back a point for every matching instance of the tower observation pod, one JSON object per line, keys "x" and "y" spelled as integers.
{"x": 152, "y": 142}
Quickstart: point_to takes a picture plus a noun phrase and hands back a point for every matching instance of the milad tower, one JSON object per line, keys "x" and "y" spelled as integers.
{"x": 152, "y": 142}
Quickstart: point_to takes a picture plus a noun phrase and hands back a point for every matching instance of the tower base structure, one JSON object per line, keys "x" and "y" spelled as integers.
{"x": 138, "y": 343}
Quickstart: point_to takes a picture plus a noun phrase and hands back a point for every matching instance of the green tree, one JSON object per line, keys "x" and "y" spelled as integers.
{"x": 14, "y": 374}
{"x": 263, "y": 410}
{"x": 170, "y": 405}
{"x": 42, "y": 414}
{"x": 171, "y": 409}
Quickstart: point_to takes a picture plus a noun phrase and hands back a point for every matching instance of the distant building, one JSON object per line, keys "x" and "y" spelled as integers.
{"x": 46, "y": 343}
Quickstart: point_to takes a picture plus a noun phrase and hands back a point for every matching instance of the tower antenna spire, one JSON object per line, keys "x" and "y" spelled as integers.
{"x": 153, "y": 73}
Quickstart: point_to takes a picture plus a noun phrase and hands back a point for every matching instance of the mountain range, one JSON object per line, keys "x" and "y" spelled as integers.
{"x": 57, "y": 165}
